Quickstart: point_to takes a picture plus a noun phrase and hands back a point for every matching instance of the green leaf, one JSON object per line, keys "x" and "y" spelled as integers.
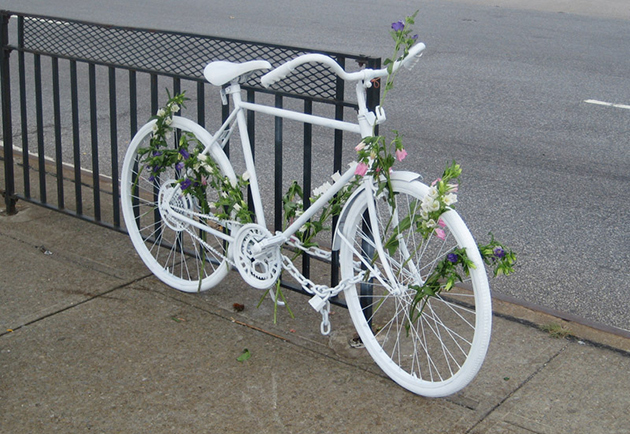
{"x": 244, "y": 356}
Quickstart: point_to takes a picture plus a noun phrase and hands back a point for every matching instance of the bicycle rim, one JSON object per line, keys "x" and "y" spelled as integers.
{"x": 432, "y": 348}
{"x": 179, "y": 254}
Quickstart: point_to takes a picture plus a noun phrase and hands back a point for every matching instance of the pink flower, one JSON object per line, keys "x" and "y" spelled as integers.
{"x": 441, "y": 223}
{"x": 440, "y": 233}
{"x": 361, "y": 169}
{"x": 400, "y": 154}
{"x": 360, "y": 146}
{"x": 436, "y": 181}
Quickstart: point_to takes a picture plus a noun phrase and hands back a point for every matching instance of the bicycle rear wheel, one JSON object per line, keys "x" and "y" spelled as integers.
{"x": 179, "y": 254}
{"x": 435, "y": 347}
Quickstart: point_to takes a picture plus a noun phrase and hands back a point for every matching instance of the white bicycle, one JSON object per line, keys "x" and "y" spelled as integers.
{"x": 434, "y": 347}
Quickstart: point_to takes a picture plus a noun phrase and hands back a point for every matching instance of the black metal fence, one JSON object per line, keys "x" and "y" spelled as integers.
{"x": 74, "y": 93}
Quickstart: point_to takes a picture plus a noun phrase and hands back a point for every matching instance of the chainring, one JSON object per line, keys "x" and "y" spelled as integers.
{"x": 260, "y": 270}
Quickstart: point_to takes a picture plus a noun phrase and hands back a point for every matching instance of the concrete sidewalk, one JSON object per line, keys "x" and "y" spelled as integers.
{"x": 91, "y": 342}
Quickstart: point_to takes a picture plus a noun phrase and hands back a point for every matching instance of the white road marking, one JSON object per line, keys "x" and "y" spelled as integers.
{"x": 607, "y": 104}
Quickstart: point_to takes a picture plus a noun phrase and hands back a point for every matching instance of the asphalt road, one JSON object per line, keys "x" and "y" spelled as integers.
{"x": 501, "y": 89}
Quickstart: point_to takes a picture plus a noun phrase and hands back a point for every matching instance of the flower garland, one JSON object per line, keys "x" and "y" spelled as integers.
{"x": 376, "y": 159}
{"x": 195, "y": 170}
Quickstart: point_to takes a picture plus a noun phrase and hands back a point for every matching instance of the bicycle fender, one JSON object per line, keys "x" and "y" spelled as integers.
{"x": 403, "y": 176}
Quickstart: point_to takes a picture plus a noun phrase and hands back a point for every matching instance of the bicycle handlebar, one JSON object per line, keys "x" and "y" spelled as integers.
{"x": 367, "y": 74}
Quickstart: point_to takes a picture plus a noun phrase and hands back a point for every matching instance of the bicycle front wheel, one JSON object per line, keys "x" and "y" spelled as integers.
{"x": 179, "y": 254}
{"x": 434, "y": 346}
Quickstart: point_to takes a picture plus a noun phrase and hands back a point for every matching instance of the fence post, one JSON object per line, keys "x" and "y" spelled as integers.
{"x": 10, "y": 198}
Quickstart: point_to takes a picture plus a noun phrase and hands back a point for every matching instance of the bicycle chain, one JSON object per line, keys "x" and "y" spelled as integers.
{"x": 324, "y": 292}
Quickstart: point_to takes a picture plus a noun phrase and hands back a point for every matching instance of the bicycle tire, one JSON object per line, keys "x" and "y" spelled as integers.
{"x": 176, "y": 253}
{"x": 442, "y": 349}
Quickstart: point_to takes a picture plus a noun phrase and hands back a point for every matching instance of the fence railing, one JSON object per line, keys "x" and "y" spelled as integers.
{"x": 74, "y": 93}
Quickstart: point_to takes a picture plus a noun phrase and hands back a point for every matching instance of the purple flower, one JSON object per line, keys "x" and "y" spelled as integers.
{"x": 156, "y": 153}
{"x": 499, "y": 253}
{"x": 185, "y": 184}
{"x": 398, "y": 26}
{"x": 179, "y": 166}
{"x": 184, "y": 153}
{"x": 452, "y": 258}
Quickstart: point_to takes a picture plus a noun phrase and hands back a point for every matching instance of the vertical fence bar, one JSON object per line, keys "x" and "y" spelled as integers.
{"x": 133, "y": 128}
{"x": 94, "y": 136}
{"x": 251, "y": 132}
{"x": 133, "y": 103}
{"x": 154, "y": 108}
{"x": 307, "y": 175}
{"x": 337, "y": 160}
{"x": 57, "y": 122}
{"x": 23, "y": 111}
{"x": 76, "y": 137}
{"x": 40, "y": 127}
{"x": 278, "y": 168}
{"x": 113, "y": 136}
{"x": 7, "y": 128}
{"x": 177, "y": 86}
{"x": 201, "y": 104}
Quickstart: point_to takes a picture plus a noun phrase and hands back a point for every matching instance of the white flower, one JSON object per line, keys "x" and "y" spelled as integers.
{"x": 246, "y": 176}
{"x": 202, "y": 157}
{"x": 155, "y": 127}
{"x": 237, "y": 207}
{"x": 174, "y": 108}
{"x": 431, "y": 223}
{"x": 450, "y": 199}
{"x": 322, "y": 189}
{"x": 433, "y": 192}
{"x": 168, "y": 121}
{"x": 161, "y": 113}
{"x": 212, "y": 205}
{"x": 429, "y": 205}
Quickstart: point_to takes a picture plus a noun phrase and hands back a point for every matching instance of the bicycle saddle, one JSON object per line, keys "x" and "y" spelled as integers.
{"x": 222, "y": 72}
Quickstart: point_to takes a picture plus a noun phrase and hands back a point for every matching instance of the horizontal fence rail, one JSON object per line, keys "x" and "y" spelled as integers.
{"x": 74, "y": 93}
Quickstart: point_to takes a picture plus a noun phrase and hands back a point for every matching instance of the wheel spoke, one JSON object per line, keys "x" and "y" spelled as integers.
{"x": 432, "y": 350}
{"x": 164, "y": 242}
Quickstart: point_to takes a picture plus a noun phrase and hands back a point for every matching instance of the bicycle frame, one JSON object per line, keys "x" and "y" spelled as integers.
{"x": 363, "y": 127}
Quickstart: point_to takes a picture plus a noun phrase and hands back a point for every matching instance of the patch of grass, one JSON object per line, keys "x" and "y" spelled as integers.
{"x": 556, "y": 331}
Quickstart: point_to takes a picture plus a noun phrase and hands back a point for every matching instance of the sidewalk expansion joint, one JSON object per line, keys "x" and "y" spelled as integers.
{"x": 519, "y": 387}
{"x": 88, "y": 298}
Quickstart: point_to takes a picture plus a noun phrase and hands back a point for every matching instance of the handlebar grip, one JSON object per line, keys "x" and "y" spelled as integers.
{"x": 413, "y": 56}
{"x": 277, "y": 74}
